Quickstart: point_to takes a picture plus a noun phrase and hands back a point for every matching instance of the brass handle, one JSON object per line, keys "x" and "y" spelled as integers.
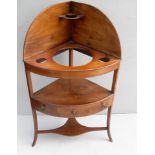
{"x": 43, "y": 107}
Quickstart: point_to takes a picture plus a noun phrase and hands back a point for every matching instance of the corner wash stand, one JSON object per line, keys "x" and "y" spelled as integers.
{"x": 71, "y": 26}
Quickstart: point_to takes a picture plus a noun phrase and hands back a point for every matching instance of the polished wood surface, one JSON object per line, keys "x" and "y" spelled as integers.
{"x": 52, "y": 69}
{"x": 72, "y": 98}
{"x": 72, "y": 128}
{"x": 71, "y": 26}
{"x": 95, "y": 30}
{"x": 49, "y": 29}
{"x": 71, "y": 92}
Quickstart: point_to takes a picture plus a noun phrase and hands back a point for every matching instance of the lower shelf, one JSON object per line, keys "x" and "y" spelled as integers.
{"x": 71, "y": 98}
{"x": 72, "y": 128}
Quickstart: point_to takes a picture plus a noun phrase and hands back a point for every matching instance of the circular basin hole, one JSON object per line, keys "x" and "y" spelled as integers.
{"x": 80, "y": 57}
{"x": 71, "y": 15}
{"x": 41, "y": 60}
{"x": 105, "y": 59}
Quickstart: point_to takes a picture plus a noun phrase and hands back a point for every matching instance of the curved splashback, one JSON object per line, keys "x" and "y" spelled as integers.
{"x": 71, "y": 21}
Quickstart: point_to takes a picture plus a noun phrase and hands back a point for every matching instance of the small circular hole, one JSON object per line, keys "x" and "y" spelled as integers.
{"x": 71, "y": 15}
{"x": 105, "y": 59}
{"x": 41, "y": 60}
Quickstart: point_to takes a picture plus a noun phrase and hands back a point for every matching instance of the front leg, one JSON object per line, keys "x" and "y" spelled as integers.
{"x": 34, "y": 113}
{"x": 108, "y": 123}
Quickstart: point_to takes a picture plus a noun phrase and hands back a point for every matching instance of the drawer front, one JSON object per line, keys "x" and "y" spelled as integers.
{"x": 71, "y": 111}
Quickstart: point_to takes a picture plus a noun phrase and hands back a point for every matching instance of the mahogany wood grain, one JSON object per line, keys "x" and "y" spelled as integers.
{"x": 47, "y": 30}
{"x": 71, "y": 26}
{"x": 72, "y": 128}
{"x": 72, "y": 98}
{"x": 95, "y": 30}
{"x": 52, "y": 69}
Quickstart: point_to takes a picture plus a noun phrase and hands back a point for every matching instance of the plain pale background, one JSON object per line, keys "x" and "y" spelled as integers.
{"x": 145, "y": 83}
{"x": 122, "y": 13}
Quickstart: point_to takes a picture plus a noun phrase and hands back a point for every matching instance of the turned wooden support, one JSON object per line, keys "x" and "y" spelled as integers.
{"x": 70, "y": 57}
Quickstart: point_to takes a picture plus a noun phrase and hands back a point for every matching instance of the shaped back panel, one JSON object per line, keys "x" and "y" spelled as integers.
{"x": 95, "y": 30}
{"x": 47, "y": 30}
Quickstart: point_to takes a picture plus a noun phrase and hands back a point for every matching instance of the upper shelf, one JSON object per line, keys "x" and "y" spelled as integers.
{"x": 44, "y": 64}
{"x": 85, "y": 25}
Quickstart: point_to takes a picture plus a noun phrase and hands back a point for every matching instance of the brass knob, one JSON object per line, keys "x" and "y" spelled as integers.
{"x": 103, "y": 106}
{"x": 73, "y": 112}
{"x": 43, "y": 107}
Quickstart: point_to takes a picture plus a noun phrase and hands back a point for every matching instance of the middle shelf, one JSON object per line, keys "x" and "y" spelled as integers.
{"x": 70, "y": 98}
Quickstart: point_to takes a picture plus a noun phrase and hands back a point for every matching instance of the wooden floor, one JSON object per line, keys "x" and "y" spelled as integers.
{"x": 123, "y": 128}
